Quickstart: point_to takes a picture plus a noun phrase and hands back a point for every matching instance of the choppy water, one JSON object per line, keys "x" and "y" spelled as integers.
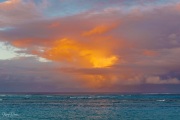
{"x": 90, "y": 107}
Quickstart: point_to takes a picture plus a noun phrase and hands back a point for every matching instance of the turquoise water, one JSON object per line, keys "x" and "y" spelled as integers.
{"x": 90, "y": 107}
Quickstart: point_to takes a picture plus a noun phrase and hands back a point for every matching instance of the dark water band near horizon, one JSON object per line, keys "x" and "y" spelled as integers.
{"x": 89, "y": 106}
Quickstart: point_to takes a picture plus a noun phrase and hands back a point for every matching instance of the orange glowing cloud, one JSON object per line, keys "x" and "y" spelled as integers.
{"x": 99, "y": 30}
{"x": 81, "y": 54}
{"x": 100, "y": 81}
{"x": 21, "y": 43}
{"x": 87, "y": 46}
{"x": 54, "y": 25}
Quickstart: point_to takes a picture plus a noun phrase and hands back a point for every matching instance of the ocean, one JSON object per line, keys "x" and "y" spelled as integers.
{"x": 90, "y": 106}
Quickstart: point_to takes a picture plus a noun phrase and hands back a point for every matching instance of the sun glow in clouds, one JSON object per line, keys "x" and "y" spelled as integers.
{"x": 78, "y": 53}
{"x": 101, "y": 61}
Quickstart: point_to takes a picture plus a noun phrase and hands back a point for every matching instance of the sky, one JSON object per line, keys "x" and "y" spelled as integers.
{"x": 90, "y": 46}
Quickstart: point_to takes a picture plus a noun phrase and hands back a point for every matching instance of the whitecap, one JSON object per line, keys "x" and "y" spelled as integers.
{"x": 72, "y": 97}
{"x": 48, "y": 96}
{"x": 90, "y": 97}
{"x": 27, "y": 96}
{"x": 161, "y": 100}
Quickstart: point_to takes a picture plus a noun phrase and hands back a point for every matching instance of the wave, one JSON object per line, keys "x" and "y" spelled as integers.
{"x": 49, "y": 96}
{"x": 85, "y": 97}
{"x": 161, "y": 100}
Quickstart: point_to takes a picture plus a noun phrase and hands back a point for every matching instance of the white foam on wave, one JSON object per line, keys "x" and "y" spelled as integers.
{"x": 72, "y": 97}
{"x": 82, "y": 97}
{"x": 89, "y": 97}
{"x": 27, "y": 96}
{"x": 161, "y": 100}
{"x": 49, "y": 96}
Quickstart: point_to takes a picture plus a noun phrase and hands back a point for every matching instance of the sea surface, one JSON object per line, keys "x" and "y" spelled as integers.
{"x": 90, "y": 106}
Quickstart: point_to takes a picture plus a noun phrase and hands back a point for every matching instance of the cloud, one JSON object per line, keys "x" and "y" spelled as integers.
{"x": 84, "y": 54}
{"x": 112, "y": 48}
{"x": 149, "y": 53}
{"x": 15, "y": 12}
{"x": 158, "y": 80}
{"x": 27, "y": 74}
{"x": 99, "y": 30}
